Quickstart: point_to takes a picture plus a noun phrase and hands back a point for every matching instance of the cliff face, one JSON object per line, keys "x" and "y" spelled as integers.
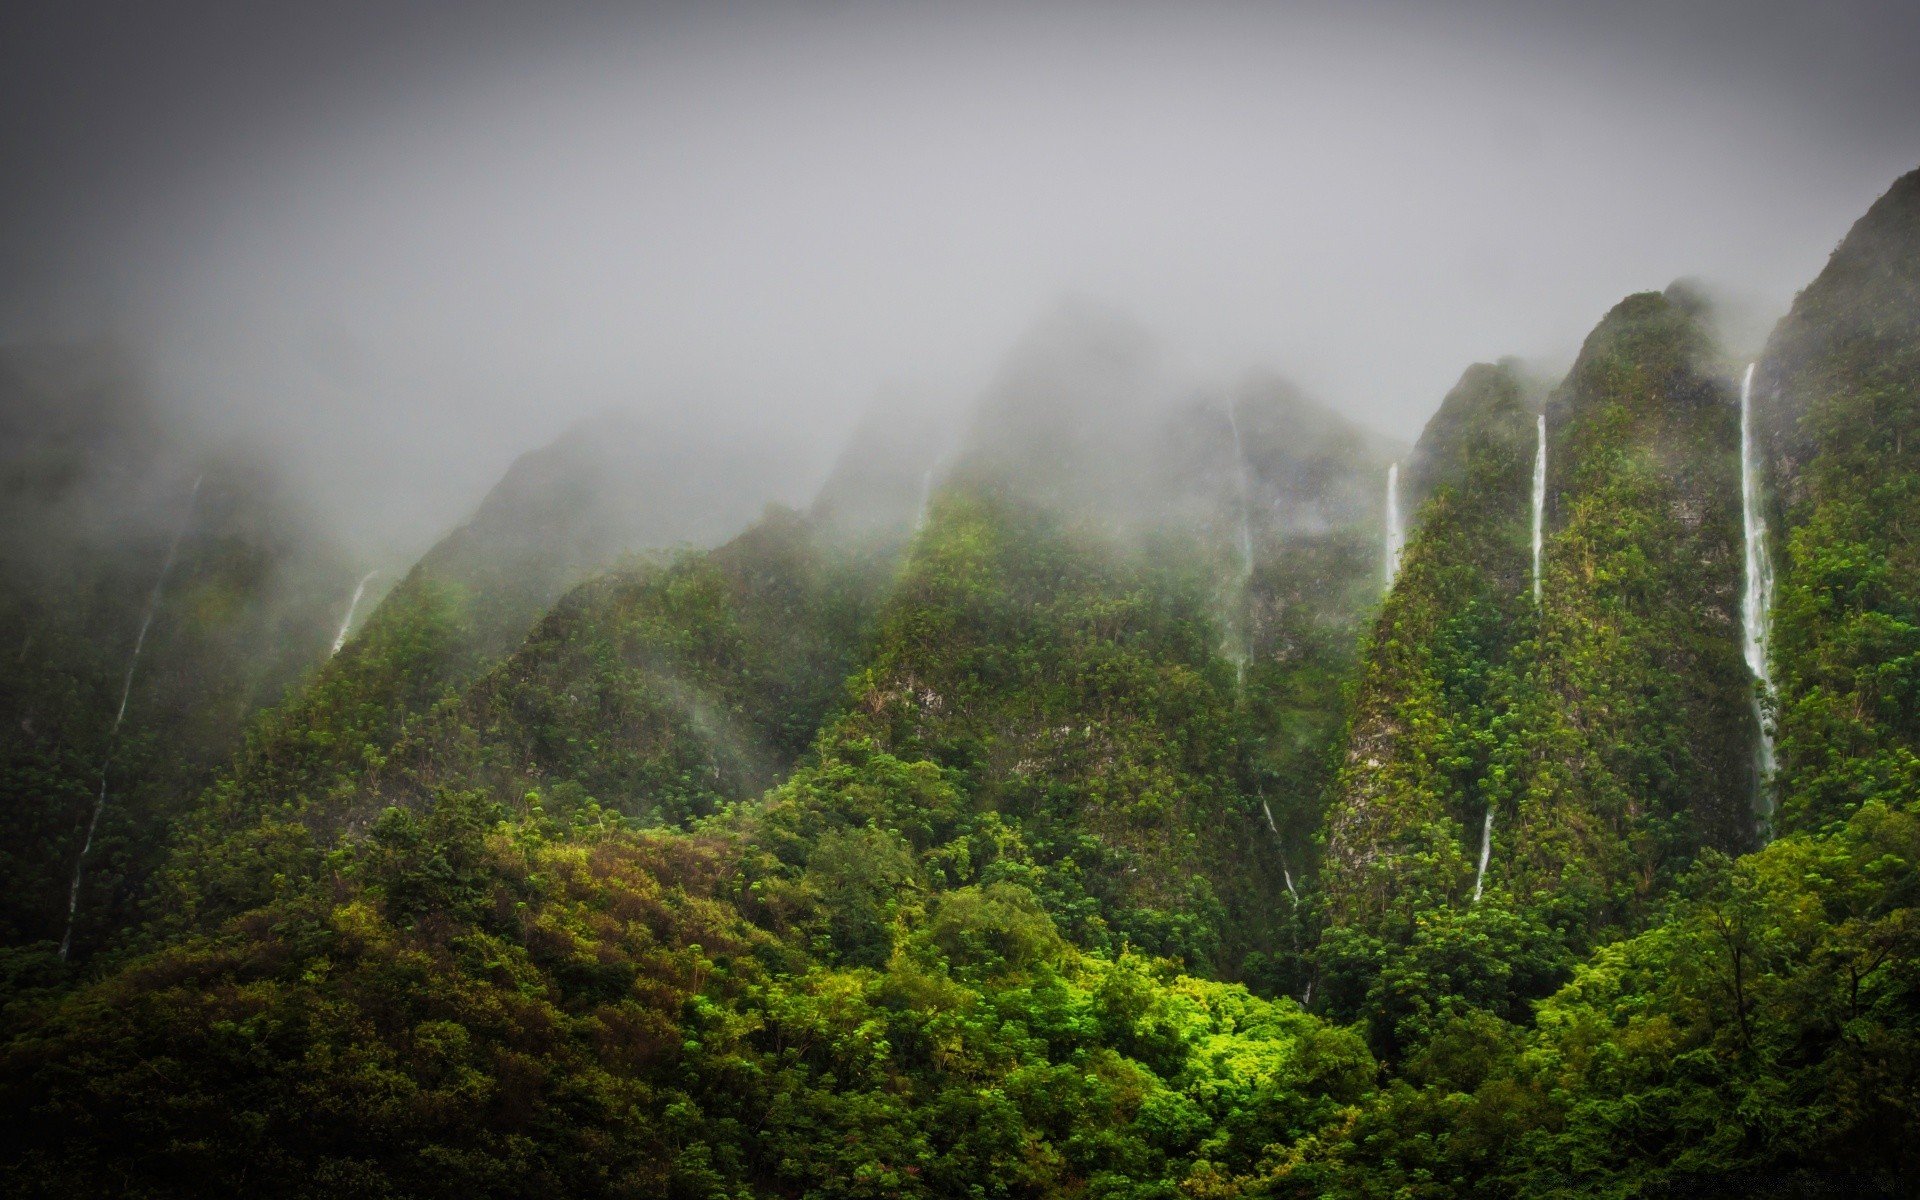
{"x": 1837, "y": 398}
{"x": 561, "y": 515}
{"x": 663, "y": 692}
{"x": 117, "y": 533}
{"x": 1634, "y": 742}
{"x": 1606, "y": 734}
{"x": 1404, "y": 826}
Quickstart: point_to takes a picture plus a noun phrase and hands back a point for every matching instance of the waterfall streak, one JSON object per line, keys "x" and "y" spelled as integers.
{"x": 119, "y": 716}
{"x": 346, "y": 622}
{"x": 1284, "y": 873}
{"x": 1396, "y": 536}
{"x": 1246, "y": 494}
{"x": 1539, "y": 497}
{"x": 1486, "y": 852}
{"x": 926, "y": 500}
{"x": 1756, "y": 600}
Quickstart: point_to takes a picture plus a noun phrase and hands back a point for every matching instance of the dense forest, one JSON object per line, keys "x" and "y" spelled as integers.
{"x": 1129, "y": 797}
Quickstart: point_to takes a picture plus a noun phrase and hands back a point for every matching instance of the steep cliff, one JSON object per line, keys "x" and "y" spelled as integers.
{"x": 1838, "y": 397}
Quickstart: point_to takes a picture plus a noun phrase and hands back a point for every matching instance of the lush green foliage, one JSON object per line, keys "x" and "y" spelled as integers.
{"x": 975, "y": 866}
{"x": 1415, "y": 780}
{"x": 1840, "y": 387}
{"x": 466, "y": 1006}
{"x": 107, "y": 543}
{"x": 1041, "y": 711}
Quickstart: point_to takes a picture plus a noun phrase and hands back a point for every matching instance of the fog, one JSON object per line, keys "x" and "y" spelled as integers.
{"x": 397, "y": 245}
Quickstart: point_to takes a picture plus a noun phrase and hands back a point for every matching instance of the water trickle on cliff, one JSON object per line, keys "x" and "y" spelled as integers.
{"x": 1539, "y": 497}
{"x": 1284, "y": 873}
{"x": 120, "y": 715}
{"x": 1756, "y": 600}
{"x": 1241, "y": 652}
{"x": 926, "y": 501}
{"x": 1246, "y": 493}
{"x": 1486, "y": 853}
{"x": 1396, "y": 536}
{"x": 346, "y": 622}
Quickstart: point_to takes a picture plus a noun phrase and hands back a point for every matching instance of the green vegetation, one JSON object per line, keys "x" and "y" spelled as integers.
{"x": 1428, "y": 712}
{"x": 1069, "y": 846}
{"x": 1839, "y": 390}
{"x": 1634, "y": 745}
{"x": 471, "y": 1006}
{"x": 1039, "y": 711}
{"x": 94, "y": 502}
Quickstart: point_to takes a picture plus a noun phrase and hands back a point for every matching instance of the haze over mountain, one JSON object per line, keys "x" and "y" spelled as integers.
{"x": 403, "y": 244}
{"x": 881, "y": 603}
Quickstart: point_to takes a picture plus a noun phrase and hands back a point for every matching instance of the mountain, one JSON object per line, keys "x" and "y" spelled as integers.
{"x": 156, "y": 591}
{"x": 1638, "y": 725}
{"x": 1075, "y": 817}
{"x": 1413, "y": 788}
{"x": 608, "y": 488}
{"x": 1835, "y": 398}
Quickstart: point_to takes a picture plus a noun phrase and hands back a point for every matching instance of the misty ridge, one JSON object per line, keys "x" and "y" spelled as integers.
{"x": 1027, "y": 602}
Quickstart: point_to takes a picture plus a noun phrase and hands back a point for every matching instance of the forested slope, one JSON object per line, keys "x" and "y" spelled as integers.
{"x": 1044, "y": 824}
{"x": 156, "y": 591}
{"x": 1838, "y": 393}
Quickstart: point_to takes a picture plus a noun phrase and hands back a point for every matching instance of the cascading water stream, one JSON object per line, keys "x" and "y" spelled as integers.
{"x": 1246, "y": 495}
{"x": 1241, "y": 653}
{"x": 1396, "y": 536}
{"x": 1756, "y": 601}
{"x": 926, "y": 501}
{"x": 120, "y": 715}
{"x": 1486, "y": 853}
{"x": 346, "y": 622}
{"x": 1284, "y": 873}
{"x": 1539, "y": 498}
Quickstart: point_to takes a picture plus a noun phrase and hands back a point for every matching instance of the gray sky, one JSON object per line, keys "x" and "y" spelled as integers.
{"x": 403, "y": 241}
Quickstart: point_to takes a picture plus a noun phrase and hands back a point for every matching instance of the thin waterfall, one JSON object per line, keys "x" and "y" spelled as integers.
{"x": 1244, "y": 651}
{"x": 1539, "y": 497}
{"x": 1486, "y": 852}
{"x": 1246, "y": 494}
{"x": 1284, "y": 873}
{"x": 926, "y": 501}
{"x": 346, "y": 622}
{"x": 1396, "y": 537}
{"x": 120, "y": 715}
{"x": 1756, "y": 602}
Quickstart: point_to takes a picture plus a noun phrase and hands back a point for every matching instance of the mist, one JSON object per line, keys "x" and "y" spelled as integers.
{"x": 394, "y": 248}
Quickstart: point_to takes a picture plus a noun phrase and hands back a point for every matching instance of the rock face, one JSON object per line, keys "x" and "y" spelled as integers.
{"x": 610, "y": 486}
{"x": 1837, "y": 395}
{"x": 1586, "y": 747}
{"x": 98, "y": 501}
{"x": 1412, "y": 790}
{"x": 1635, "y": 744}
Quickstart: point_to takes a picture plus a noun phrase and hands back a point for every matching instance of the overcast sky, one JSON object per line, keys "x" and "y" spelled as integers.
{"x": 401, "y": 242}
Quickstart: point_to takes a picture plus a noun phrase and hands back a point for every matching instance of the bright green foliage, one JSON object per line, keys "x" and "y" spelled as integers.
{"x": 1839, "y": 390}
{"x": 466, "y": 1007}
{"x": 658, "y": 691}
{"x": 1404, "y": 828}
{"x": 1046, "y": 710}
